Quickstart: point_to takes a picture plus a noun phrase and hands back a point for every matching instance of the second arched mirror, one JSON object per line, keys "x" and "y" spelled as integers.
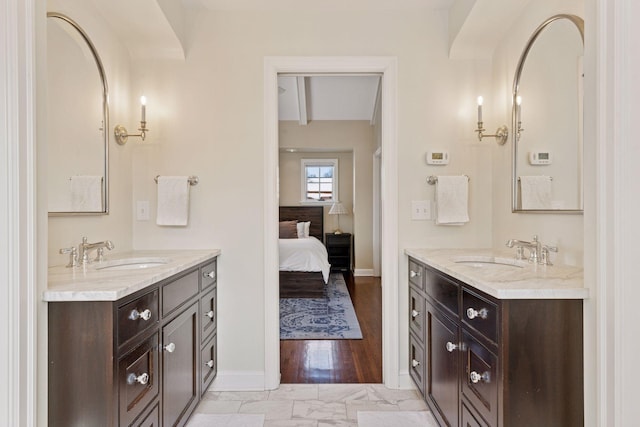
{"x": 547, "y": 119}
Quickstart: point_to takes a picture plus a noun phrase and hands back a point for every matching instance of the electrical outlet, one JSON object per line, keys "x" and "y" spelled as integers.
{"x": 142, "y": 210}
{"x": 421, "y": 210}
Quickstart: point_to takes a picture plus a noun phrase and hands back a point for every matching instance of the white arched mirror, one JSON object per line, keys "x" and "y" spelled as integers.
{"x": 77, "y": 121}
{"x": 547, "y": 119}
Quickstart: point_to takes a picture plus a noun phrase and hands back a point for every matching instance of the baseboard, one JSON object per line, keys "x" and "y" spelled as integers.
{"x": 239, "y": 381}
{"x": 363, "y": 272}
{"x": 405, "y": 382}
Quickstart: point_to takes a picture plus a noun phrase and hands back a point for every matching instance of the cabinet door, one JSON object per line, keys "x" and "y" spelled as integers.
{"x": 443, "y": 362}
{"x": 179, "y": 366}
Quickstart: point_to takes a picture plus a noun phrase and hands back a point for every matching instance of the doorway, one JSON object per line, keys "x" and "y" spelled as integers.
{"x": 387, "y": 67}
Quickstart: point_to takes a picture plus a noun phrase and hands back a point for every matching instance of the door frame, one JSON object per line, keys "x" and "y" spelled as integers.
{"x": 387, "y": 67}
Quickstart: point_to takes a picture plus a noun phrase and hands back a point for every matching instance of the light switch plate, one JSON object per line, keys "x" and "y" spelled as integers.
{"x": 142, "y": 210}
{"x": 421, "y": 210}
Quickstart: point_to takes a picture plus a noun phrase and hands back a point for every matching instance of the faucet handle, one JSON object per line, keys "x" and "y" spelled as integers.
{"x": 73, "y": 255}
{"x": 544, "y": 254}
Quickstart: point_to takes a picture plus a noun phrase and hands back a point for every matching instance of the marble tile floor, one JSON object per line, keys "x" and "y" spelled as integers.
{"x": 313, "y": 405}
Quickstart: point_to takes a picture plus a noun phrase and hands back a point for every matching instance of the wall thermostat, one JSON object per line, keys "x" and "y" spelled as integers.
{"x": 437, "y": 157}
{"x": 540, "y": 158}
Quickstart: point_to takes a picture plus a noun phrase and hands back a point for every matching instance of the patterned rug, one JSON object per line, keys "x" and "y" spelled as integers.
{"x": 330, "y": 318}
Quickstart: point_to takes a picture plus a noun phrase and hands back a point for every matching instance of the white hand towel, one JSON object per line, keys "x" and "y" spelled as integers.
{"x": 173, "y": 200}
{"x": 86, "y": 193}
{"x": 535, "y": 192}
{"x": 452, "y": 197}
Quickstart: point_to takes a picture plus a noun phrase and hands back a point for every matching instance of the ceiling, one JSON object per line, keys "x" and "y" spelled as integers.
{"x": 288, "y": 5}
{"x": 304, "y": 99}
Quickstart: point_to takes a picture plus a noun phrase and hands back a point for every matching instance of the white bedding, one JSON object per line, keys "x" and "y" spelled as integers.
{"x": 304, "y": 254}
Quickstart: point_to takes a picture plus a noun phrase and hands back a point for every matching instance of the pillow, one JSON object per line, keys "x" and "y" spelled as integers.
{"x": 288, "y": 230}
{"x": 303, "y": 229}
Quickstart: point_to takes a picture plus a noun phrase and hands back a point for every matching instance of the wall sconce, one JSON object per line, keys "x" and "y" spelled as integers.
{"x": 519, "y": 128}
{"x": 501, "y": 133}
{"x": 120, "y": 132}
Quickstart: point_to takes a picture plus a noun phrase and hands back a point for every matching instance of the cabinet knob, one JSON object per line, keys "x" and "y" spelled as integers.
{"x": 210, "y": 314}
{"x": 142, "y": 379}
{"x": 144, "y": 314}
{"x": 170, "y": 348}
{"x": 414, "y": 363}
{"x": 451, "y": 346}
{"x": 211, "y": 274}
{"x": 475, "y": 377}
{"x": 210, "y": 363}
{"x": 414, "y": 314}
{"x": 472, "y": 313}
{"x": 414, "y": 274}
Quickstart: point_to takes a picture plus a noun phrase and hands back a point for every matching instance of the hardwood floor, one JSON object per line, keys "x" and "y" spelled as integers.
{"x": 341, "y": 361}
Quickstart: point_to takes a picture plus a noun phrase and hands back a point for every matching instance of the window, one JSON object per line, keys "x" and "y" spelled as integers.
{"x": 319, "y": 180}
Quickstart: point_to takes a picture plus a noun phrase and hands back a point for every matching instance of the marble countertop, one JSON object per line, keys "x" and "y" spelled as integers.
{"x": 87, "y": 283}
{"x": 528, "y": 281}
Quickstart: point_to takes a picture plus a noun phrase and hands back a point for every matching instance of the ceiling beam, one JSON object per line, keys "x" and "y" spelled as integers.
{"x": 302, "y": 100}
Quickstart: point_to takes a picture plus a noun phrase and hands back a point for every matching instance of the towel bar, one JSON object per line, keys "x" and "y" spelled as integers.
{"x": 432, "y": 179}
{"x": 193, "y": 180}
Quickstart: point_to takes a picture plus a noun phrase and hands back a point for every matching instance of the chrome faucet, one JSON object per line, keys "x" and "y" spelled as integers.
{"x": 538, "y": 253}
{"x": 84, "y": 248}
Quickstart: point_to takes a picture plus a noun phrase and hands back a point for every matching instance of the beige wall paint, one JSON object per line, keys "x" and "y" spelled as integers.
{"x": 68, "y": 231}
{"x": 210, "y": 124}
{"x": 355, "y": 174}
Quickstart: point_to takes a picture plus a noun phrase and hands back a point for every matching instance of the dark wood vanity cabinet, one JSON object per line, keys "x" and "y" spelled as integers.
{"x": 144, "y": 360}
{"x": 481, "y": 361}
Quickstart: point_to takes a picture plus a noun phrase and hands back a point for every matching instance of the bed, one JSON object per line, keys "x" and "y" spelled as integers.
{"x": 304, "y": 268}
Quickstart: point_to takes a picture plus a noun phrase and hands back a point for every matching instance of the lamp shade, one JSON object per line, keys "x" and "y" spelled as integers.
{"x": 338, "y": 209}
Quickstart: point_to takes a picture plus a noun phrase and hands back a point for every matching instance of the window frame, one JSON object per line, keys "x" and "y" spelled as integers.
{"x": 306, "y": 162}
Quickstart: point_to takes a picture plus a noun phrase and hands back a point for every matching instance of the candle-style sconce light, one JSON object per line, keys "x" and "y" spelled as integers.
{"x": 502, "y": 133}
{"x": 519, "y": 128}
{"x": 120, "y": 132}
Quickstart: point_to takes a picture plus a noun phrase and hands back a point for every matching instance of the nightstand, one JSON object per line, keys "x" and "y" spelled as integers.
{"x": 340, "y": 250}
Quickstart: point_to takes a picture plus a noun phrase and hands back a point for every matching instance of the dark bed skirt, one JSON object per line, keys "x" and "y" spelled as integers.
{"x": 296, "y": 284}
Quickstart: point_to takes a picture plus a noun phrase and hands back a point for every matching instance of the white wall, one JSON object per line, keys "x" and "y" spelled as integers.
{"x": 68, "y": 231}
{"x": 209, "y": 122}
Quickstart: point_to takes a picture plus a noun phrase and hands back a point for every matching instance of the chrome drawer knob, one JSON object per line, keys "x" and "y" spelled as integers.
{"x": 415, "y": 363}
{"x": 414, "y": 314}
{"x": 210, "y": 363}
{"x": 170, "y": 348}
{"x": 144, "y": 314}
{"x": 451, "y": 346}
{"x": 142, "y": 379}
{"x": 210, "y": 314}
{"x": 472, "y": 313}
{"x": 210, "y": 275}
{"x": 414, "y": 274}
{"x": 476, "y": 377}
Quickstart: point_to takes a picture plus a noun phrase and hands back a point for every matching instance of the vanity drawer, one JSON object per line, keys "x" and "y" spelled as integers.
{"x": 209, "y": 367}
{"x": 416, "y": 314}
{"x": 443, "y": 291}
{"x": 150, "y": 419}
{"x": 137, "y": 316}
{"x": 416, "y": 274}
{"x": 417, "y": 363}
{"x": 470, "y": 418}
{"x": 137, "y": 380}
{"x": 480, "y": 380}
{"x": 209, "y": 312}
{"x": 209, "y": 274}
{"x": 480, "y": 314}
{"x": 179, "y": 291}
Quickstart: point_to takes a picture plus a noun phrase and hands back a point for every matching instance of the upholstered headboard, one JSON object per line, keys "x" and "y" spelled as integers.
{"x": 315, "y": 214}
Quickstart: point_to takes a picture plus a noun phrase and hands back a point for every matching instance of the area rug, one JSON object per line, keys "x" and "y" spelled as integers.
{"x": 396, "y": 419}
{"x": 330, "y": 318}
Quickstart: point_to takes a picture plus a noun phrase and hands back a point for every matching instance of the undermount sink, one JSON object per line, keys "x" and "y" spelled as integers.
{"x": 480, "y": 261}
{"x": 133, "y": 263}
